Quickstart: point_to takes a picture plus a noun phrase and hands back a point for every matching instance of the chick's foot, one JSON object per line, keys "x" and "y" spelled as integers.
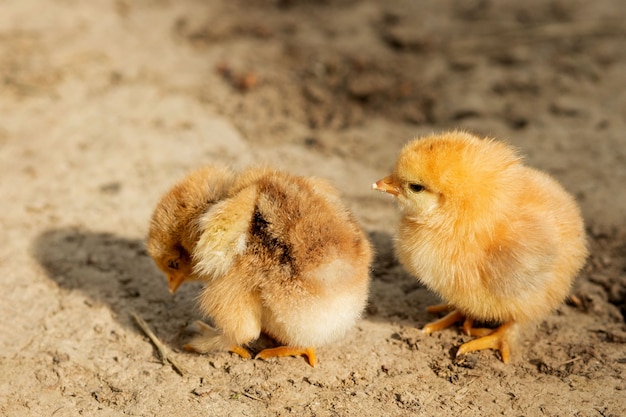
{"x": 444, "y": 322}
{"x": 499, "y": 339}
{"x": 288, "y": 351}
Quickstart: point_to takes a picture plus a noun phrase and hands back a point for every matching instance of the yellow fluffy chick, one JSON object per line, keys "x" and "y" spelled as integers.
{"x": 497, "y": 240}
{"x": 277, "y": 253}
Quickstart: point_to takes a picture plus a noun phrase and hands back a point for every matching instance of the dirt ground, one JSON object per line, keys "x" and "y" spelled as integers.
{"x": 104, "y": 104}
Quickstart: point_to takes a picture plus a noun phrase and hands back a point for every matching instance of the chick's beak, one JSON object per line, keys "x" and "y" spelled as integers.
{"x": 387, "y": 185}
{"x": 174, "y": 281}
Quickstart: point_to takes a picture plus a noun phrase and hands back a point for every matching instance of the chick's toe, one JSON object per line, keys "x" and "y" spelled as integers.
{"x": 280, "y": 351}
{"x": 444, "y": 322}
{"x": 243, "y": 352}
{"x": 470, "y": 330}
{"x": 439, "y": 308}
{"x": 499, "y": 339}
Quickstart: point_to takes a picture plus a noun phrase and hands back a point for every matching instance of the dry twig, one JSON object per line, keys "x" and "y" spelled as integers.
{"x": 164, "y": 355}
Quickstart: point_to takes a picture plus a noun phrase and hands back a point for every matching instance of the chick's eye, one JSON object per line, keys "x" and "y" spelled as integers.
{"x": 172, "y": 264}
{"x": 416, "y": 188}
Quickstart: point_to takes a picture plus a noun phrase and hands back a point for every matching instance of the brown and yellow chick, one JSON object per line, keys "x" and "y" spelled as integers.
{"x": 496, "y": 239}
{"x": 277, "y": 253}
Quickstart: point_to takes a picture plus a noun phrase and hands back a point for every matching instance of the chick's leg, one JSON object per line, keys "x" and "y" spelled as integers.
{"x": 499, "y": 339}
{"x": 289, "y": 351}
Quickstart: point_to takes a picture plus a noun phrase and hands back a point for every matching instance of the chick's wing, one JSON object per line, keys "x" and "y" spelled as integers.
{"x": 223, "y": 233}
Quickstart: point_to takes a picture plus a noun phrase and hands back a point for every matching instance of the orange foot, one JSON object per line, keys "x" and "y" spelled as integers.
{"x": 444, "y": 322}
{"x": 289, "y": 351}
{"x": 494, "y": 339}
{"x": 240, "y": 351}
{"x": 498, "y": 339}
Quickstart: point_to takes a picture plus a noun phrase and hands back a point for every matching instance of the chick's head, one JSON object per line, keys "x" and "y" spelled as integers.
{"x": 450, "y": 173}
{"x": 174, "y": 227}
{"x": 173, "y": 260}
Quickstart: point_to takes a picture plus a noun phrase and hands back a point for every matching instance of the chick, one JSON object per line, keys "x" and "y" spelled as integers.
{"x": 496, "y": 239}
{"x": 277, "y": 253}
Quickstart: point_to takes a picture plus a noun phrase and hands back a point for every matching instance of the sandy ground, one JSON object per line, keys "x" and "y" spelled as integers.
{"x": 104, "y": 104}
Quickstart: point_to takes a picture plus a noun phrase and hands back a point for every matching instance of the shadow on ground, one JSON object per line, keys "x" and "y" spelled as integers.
{"x": 116, "y": 272}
